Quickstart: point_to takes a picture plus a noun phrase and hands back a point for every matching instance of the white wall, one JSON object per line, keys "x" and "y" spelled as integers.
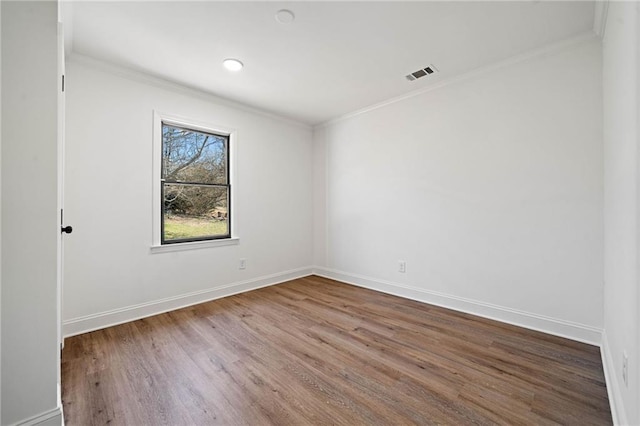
{"x": 30, "y": 353}
{"x": 109, "y": 270}
{"x": 621, "y": 208}
{"x": 490, "y": 188}
{"x": 0, "y": 218}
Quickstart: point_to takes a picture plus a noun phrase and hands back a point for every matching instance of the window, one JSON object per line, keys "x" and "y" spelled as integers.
{"x": 192, "y": 189}
{"x": 194, "y": 185}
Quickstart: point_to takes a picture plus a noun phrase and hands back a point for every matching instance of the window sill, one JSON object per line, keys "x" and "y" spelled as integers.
{"x": 194, "y": 245}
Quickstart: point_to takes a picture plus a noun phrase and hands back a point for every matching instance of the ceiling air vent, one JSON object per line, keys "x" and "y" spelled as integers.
{"x": 421, "y": 73}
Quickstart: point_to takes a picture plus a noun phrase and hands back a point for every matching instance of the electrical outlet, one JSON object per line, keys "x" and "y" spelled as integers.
{"x": 625, "y": 368}
{"x": 402, "y": 266}
{"x": 243, "y": 264}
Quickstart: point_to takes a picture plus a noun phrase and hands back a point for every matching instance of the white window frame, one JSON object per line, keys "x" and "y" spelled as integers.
{"x": 158, "y": 119}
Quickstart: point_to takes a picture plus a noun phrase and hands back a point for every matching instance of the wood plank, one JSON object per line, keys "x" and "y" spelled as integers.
{"x": 316, "y": 351}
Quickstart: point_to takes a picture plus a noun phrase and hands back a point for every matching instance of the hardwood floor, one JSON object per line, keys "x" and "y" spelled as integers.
{"x": 315, "y": 351}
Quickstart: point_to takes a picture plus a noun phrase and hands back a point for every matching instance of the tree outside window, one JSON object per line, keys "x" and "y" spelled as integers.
{"x": 195, "y": 185}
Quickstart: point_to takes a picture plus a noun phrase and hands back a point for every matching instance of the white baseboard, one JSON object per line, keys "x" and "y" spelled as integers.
{"x": 105, "y": 319}
{"x": 580, "y": 332}
{"x": 52, "y": 417}
{"x": 554, "y": 326}
{"x": 615, "y": 399}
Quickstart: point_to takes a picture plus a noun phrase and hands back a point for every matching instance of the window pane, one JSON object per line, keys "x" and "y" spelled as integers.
{"x": 194, "y": 212}
{"x": 190, "y": 156}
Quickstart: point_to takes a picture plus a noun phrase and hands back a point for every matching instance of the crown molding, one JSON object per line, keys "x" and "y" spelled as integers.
{"x": 143, "y": 77}
{"x": 532, "y": 54}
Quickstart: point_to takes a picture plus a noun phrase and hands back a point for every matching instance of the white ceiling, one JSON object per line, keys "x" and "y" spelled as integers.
{"x": 335, "y": 58}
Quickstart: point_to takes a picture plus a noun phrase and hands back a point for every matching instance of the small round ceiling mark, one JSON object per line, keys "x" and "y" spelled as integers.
{"x": 285, "y": 16}
{"x": 232, "y": 64}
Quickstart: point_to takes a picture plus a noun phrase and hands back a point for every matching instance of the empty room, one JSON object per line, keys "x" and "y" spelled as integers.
{"x": 319, "y": 212}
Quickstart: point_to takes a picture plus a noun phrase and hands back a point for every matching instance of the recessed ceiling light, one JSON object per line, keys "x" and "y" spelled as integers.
{"x": 232, "y": 64}
{"x": 285, "y": 16}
